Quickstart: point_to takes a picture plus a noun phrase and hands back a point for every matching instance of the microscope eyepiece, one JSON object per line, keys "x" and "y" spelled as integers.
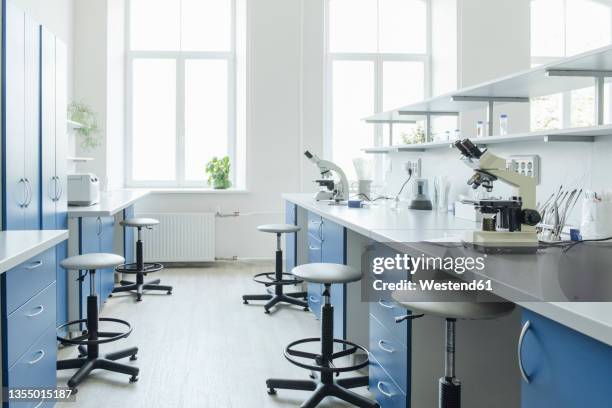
{"x": 472, "y": 149}
{"x": 462, "y": 149}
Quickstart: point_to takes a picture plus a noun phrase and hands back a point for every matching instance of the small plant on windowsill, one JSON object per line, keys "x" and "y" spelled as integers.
{"x": 89, "y": 132}
{"x": 218, "y": 171}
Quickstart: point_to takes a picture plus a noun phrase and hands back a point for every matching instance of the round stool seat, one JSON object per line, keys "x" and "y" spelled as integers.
{"x": 326, "y": 273}
{"x": 139, "y": 222}
{"x": 456, "y": 305}
{"x": 279, "y": 228}
{"x": 92, "y": 261}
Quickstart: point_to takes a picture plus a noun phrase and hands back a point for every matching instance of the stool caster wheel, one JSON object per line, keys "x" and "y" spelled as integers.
{"x": 73, "y": 391}
{"x": 306, "y": 309}
{"x": 133, "y": 379}
{"x": 312, "y": 375}
{"x": 133, "y": 358}
{"x": 245, "y": 302}
{"x": 139, "y": 298}
{"x": 169, "y": 292}
{"x": 271, "y": 391}
{"x": 266, "y": 311}
{"x": 110, "y": 295}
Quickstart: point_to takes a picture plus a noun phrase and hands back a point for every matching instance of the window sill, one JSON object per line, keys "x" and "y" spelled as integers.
{"x": 187, "y": 190}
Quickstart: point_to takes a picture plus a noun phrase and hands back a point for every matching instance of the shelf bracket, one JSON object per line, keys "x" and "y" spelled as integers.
{"x": 491, "y": 100}
{"x": 600, "y": 78}
{"x": 427, "y": 115}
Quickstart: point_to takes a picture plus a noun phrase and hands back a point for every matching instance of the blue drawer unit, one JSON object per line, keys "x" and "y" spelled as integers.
{"x": 29, "y": 278}
{"x": 390, "y": 353}
{"x": 28, "y": 322}
{"x": 384, "y": 389}
{"x": 36, "y": 368}
{"x": 290, "y": 239}
{"x": 385, "y": 312}
{"x": 314, "y": 289}
{"x": 566, "y": 369}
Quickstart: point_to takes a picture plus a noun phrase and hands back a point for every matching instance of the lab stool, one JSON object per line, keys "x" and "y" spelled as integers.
{"x": 89, "y": 342}
{"x": 140, "y": 268}
{"x": 278, "y": 278}
{"x": 458, "y": 306}
{"x": 323, "y": 362}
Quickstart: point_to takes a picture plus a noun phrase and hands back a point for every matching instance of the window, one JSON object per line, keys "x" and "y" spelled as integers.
{"x": 184, "y": 83}
{"x": 561, "y": 28}
{"x": 377, "y": 59}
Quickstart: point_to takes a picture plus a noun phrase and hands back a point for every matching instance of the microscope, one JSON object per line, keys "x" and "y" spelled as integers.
{"x": 506, "y": 225}
{"x": 333, "y": 190}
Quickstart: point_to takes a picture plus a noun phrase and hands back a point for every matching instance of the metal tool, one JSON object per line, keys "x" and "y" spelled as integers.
{"x": 513, "y": 226}
{"x": 335, "y": 189}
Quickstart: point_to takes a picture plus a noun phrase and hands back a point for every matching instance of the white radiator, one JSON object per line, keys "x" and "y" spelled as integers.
{"x": 180, "y": 237}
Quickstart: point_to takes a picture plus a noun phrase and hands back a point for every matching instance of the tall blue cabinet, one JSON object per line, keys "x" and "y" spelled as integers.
{"x": 34, "y": 142}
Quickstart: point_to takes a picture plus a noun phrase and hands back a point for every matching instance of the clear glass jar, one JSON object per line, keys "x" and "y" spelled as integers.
{"x": 480, "y": 129}
{"x": 503, "y": 124}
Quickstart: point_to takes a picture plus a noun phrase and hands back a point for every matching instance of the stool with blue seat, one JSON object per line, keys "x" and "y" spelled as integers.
{"x": 323, "y": 362}
{"x": 140, "y": 268}
{"x": 278, "y": 278}
{"x": 89, "y": 342}
{"x": 467, "y": 305}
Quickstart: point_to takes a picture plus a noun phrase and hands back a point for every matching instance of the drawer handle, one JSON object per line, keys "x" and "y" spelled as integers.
{"x": 40, "y": 308}
{"x": 313, "y": 248}
{"x": 524, "y": 330}
{"x": 383, "y": 348}
{"x": 35, "y": 265}
{"x": 39, "y": 404}
{"x": 382, "y": 303}
{"x": 37, "y": 359}
{"x": 380, "y": 386}
{"x": 313, "y": 299}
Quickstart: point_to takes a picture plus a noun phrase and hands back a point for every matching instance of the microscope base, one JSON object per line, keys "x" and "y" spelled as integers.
{"x": 502, "y": 242}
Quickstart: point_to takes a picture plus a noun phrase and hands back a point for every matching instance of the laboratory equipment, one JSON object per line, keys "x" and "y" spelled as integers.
{"x": 335, "y": 189}
{"x": 83, "y": 189}
{"x": 503, "y": 124}
{"x": 420, "y": 197}
{"x": 441, "y": 190}
{"x": 513, "y": 226}
{"x": 480, "y": 129}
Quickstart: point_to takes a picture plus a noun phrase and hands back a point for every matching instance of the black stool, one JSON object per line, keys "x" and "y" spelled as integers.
{"x": 140, "y": 268}
{"x": 451, "y": 307}
{"x": 89, "y": 342}
{"x": 326, "y": 274}
{"x": 277, "y": 278}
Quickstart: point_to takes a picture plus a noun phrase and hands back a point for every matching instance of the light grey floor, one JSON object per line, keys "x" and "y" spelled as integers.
{"x": 201, "y": 347}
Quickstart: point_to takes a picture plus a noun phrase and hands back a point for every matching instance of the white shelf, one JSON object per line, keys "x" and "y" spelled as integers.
{"x": 80, "y": 159}
{"x": 75, "y": 125}
{"x": 526, "y": 84}
{"x": 584, "y": 134}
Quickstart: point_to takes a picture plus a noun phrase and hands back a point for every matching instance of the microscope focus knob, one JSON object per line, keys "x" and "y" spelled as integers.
{"x": 531, "y": 217}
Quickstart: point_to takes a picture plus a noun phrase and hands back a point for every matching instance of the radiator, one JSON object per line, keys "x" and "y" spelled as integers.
{"x": 180, "y": 237}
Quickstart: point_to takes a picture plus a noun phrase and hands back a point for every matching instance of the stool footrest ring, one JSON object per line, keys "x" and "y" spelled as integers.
{"x": 148, "y": 267}
{"x": 270, "y": 279}
{"x": 107, "y": 337}
{"x": 352, "y": 348}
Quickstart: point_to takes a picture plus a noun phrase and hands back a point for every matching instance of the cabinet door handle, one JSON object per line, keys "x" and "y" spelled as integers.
{"x": 383, "y": 304}
{"x": 314, "y": 248}
{"x": 380, "y": 386}
{"x": 383, "y": 348}
{"x": 61, "y": 189}
{"x": 29, "y": 192}
{"x": 39, "y": 404}
{"x": 53, "y": 196}
{"x": 37, "y": 359}
{"x": 99, "y": 221}
{"x": 313, "y": 299}
{"x": 35, "y": 265}
{"x": 524, "y": 330}
{"x": 22, "y": 204}
{"x": 40, "y": 308}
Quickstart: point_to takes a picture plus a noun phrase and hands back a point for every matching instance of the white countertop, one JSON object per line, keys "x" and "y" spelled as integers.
{"x": 382, "y": 224}
{"x": 17, "y": 247}
{"x": 111, "y": 202}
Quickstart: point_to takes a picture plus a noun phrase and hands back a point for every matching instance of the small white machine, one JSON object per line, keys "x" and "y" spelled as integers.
{"x": 83, "y": 189}
{"x": 335, "y": 190}
{"x": 505, "y": 223}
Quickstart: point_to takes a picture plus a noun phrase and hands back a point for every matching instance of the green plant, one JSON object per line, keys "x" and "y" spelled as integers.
{"x": 89, "y": 132}
{"x": 415, "y": 137}
{"x": 218, "y": 171}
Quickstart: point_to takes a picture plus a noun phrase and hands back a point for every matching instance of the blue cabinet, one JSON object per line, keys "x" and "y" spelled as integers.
{"x": 290, "y": 239}
{"x": 327, "y": 244}
{"x": 129, "y": 242}
{"x": 97, "y": 235}
{"x": 54, "y": 146}
{"x": 20, "y": 121}
{"x": 566, "y": 369}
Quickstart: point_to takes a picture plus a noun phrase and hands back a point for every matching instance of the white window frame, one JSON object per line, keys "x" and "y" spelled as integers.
{"x": 180, "y": 57}
{"x": 378, "y": 59}
{"x": 566, "y": 97}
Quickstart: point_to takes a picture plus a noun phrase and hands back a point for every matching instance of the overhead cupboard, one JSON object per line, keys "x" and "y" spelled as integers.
{"x": 34, "y": 147}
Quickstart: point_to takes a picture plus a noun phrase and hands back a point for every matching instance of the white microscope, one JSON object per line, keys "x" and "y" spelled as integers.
{"x": 505, "y": 225}
{"x": 335, "y": 190}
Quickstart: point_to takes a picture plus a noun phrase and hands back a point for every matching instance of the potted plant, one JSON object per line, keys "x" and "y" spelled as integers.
{"x": 88, "y": 130}
{"x": 218, "y": 171}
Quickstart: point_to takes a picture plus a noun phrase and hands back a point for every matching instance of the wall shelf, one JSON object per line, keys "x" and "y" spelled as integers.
{"x": 584, "y": 134}
{"x": 80, "y": 159}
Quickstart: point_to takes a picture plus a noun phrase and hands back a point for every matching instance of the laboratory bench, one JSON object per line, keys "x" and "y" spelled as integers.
{"x": 565, "y": 348}
{"x": 97, "y": 228}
